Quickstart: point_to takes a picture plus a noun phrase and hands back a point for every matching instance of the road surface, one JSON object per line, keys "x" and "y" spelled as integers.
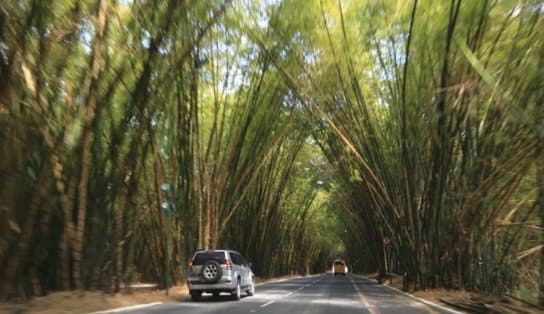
{"x": 324, "y": 294}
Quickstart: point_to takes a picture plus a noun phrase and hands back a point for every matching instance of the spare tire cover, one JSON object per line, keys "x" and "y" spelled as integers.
{"x": 211, "y": 271}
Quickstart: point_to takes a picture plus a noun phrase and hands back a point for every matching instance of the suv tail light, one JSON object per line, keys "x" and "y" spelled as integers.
{"x": 228, "y": 265}
{"x": 190, "y": 263}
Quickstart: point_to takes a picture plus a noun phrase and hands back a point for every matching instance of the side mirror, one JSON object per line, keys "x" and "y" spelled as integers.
{"x": 250, "y": 264}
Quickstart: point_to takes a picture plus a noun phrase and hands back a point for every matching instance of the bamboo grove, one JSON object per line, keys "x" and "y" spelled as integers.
{"x": 431, "y": 115}
{"x": 406, "y": 136}
{"x": 122, "y": 121}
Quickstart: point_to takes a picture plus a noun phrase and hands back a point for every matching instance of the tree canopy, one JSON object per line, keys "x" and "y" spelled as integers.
{"x": 405, "y": 137}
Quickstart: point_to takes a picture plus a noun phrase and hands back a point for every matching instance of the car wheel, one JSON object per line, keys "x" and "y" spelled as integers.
{"x": 237, "y": 293}
{"x": 251, "y": 290}
{"x": 211, "y": 272}
{"x": 195, "y": 295}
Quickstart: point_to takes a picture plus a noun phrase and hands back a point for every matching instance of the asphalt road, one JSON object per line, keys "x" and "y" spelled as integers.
{"x": 323, "y": 294}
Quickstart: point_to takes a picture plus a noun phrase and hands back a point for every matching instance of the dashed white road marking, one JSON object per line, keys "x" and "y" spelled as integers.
{"x": 127, "y": 308}
{"x": 288, "y": 294}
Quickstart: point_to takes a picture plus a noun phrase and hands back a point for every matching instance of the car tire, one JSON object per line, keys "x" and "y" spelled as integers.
{"x": 237, "y": 292}
{"x": 251, "y": 290}
{"x": 211, "y": 272}
{"x": 195, "y": 295}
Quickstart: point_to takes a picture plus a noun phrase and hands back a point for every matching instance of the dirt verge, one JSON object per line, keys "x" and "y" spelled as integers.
{"x": 468, "y": 301}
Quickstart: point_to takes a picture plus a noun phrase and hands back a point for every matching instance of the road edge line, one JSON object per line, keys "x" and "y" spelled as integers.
{"x": 444, "y": 308}
{"x": 127, "y": 308}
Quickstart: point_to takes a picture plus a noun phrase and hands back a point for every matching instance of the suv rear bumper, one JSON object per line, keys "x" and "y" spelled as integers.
{"x": 225, "y": 284}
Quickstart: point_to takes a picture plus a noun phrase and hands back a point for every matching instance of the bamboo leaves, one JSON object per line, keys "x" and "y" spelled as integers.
{"x": 288, "y": 130}
{"x": 445, "y": 122}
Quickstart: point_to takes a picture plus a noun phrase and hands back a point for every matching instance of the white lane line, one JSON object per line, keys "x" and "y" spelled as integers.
{"x": 287, "y": 279}
{"x": 285, "y": 295}
{"x": 127, "y": 308}
{"x": 369, "y": 305}
{"x": 416, "y": 298}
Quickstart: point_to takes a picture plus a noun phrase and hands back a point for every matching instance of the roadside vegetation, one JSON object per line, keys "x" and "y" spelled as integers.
{"x": 406, "y": 137}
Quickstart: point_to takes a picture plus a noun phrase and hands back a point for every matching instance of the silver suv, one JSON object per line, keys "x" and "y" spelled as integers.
{"x": 217, "y": 271}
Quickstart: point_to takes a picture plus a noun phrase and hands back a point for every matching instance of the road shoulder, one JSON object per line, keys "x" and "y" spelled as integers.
{"x": 413, "y": 297}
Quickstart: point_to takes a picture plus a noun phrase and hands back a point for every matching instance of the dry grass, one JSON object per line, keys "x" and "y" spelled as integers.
{"x": 86, "y": 302}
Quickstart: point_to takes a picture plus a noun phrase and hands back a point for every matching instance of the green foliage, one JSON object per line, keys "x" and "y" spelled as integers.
{"x": 419, "y": 108}
{"x": 406, "y": 136}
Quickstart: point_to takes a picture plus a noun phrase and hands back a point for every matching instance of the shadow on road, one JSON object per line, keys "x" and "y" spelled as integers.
{"x": 208, "y": 298}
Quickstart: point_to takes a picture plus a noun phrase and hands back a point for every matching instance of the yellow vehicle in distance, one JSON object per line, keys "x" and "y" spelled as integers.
{"x": 339, "y": 267}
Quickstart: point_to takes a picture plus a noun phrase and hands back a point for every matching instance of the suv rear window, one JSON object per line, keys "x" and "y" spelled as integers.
{"x": 201, "y": 258}
{"x": 237, "y": 259}
{"x": 338, "y": 263}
